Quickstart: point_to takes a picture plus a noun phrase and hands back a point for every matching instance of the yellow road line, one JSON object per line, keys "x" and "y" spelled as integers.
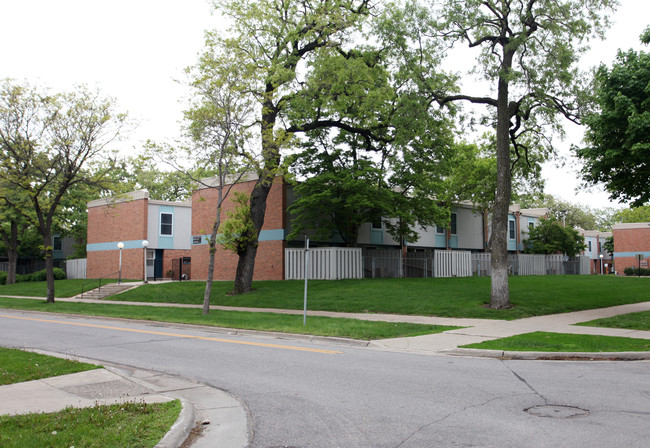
{"x": 178, "y": 335}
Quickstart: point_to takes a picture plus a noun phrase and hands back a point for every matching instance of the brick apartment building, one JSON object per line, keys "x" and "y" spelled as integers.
{"x": 631, "y": 246}
{"x": 176, "y": 233}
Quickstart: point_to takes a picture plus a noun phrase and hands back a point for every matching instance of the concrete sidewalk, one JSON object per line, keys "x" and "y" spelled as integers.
{"x": 222, "y": 418}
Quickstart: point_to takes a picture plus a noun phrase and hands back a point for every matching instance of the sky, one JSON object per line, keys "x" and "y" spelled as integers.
{"x": 136, "y": 50}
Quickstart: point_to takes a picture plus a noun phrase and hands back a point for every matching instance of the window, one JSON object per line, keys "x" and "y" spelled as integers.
{"x": 56, "y": 242}
{"x": 531, "y": 225}
{"x": 376, "y": 225}
{"x": 440, "y": 229}
{"x": 600, "y": 247}
{"x": 511, "y": 229}
{"x": 452, "y": 224}
{"x": 589, "y": 244}
{"x": 166, "y": 224}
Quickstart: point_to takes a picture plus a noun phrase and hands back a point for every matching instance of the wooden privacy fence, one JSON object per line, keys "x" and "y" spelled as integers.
{"x": 325, "y": 263}
{"x": 75, "y": 268}
{"x": 438, "y": 263}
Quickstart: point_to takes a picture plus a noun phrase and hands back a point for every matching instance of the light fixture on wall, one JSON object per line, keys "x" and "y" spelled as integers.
{"x": 120, "y": 246}
{"x": 145, "y": 244}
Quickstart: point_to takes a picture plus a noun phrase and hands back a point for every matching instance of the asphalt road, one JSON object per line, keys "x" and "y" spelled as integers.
{"x": 326, "y": 395}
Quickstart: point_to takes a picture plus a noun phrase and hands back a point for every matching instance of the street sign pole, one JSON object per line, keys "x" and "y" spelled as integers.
{"x": 304, "y": 316}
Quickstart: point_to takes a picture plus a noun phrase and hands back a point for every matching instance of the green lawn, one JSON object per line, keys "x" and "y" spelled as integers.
{"x": 117, "y": 426}
{"x": 632, "y": 321}
{"x": 134, "y": 425}
{"x": 448, "y": 297}
{"x": 320, "y": 326}
{"x": 62, "y": 288}
{"x": 556, "y": 342}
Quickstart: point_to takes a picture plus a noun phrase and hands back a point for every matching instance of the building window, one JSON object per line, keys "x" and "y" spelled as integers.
{"x": 452, "y": 224}
{"x": 376, "y": 225}
{"x": 166, "y": 224}
{"x": 589, "y": 244}
{"x": 531, "y": 225}
{"x": 56, "y": 242}
{"x": 511, "y": 229}
{"x": 600, "y": 247}
{"x": 440, "y": 230}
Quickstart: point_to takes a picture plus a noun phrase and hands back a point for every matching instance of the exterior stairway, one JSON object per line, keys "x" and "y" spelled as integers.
{"x": 106, "y": 290}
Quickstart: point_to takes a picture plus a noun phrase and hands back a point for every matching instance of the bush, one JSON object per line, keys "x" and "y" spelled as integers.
{"x": 3, "y": 278}
{"x": 40, "y": 276}
{"x": 636, "y": 271}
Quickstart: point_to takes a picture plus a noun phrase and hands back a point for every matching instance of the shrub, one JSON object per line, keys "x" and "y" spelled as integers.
{"x": 41, "y": 276}
{"x": 636, "y": 271}
{"x": 3, "y": 278}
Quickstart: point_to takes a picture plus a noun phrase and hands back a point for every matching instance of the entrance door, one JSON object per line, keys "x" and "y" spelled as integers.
{"x": 158, "y": 264}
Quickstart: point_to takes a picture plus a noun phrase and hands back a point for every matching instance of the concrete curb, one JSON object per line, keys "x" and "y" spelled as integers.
{"x": 549, "y": 356}
{"x": 180, "y": 430}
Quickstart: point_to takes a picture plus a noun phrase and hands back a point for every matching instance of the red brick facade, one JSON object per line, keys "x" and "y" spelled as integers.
{"x": 631, "y": 240}
{"x": 126, "y": 220}
{"x": 269, "y": 263}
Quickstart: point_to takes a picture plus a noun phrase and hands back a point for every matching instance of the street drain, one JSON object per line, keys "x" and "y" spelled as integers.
{"x": 557, "y": 411}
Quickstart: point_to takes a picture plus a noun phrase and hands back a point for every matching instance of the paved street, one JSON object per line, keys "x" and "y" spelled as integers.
{"x": 301, "y": 394}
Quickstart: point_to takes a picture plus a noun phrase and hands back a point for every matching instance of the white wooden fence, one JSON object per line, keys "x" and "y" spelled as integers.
{"x": 75, "y": 268}
{"x": 325, "y": 263}
{"x": 452, "y": 263}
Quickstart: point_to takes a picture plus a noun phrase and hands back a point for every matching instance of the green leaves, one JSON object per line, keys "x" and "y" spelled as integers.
{"x": 550, "y": 237}
{"x": 618, "y": 135}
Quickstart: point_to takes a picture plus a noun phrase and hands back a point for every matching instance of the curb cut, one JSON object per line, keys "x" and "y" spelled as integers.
{"x": 550, "y": 356}
{"x": 181, "y": 428}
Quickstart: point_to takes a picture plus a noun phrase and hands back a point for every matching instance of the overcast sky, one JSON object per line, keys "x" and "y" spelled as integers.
{"x": 134, "y": 50}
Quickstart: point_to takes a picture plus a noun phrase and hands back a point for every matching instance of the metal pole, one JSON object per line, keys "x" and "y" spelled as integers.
{"x": 304, "y": 316}
{"x": 119, "y": 280}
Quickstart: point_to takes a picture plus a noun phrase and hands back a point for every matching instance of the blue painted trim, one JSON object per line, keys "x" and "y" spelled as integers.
{"x": 265, "y": 235}
{"x": 133, "y": 244}
{"x": 645, "y": 254}
{"x": 165, "y": 242}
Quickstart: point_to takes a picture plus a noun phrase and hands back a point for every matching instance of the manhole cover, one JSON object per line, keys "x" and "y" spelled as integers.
{"x": 557, "y": 411}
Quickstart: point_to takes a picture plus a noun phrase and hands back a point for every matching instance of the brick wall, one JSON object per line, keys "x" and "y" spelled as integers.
{"x": 629, "y": 240}
{"x": 269, "y": 263}
{"x": 120, "y": 221}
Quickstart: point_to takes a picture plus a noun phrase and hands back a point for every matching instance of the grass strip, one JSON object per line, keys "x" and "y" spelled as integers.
{"x": 316, "y": 325}
{"x": 18, "y": 366}
{"x": 631, "y": 321}
{"x": 540, "y": 341}
{"x": 448, "y": 297}
{"x": 115, "y": 426}
{"x": 62, "y": 288}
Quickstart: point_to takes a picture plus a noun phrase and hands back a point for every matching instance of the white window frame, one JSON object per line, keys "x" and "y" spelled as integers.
{"x": 512, "y": 229}
{"x": 171, "y": 225}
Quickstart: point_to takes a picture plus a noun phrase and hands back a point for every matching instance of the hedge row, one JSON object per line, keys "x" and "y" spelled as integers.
{"x": 40, "y": 276}
{"x": 636, "y": 271}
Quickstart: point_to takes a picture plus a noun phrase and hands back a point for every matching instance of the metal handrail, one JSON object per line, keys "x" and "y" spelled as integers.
{"x": 83, "y": 286}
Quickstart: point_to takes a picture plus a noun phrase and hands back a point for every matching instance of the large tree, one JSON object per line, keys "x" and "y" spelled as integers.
{"x": 46, "y": 140}
{"x": 272, "y": 42}
{"x": 618, "y": 137}
{"x": 526, "y": 52}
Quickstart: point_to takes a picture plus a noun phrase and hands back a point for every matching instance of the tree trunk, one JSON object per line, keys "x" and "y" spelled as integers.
{"x": 213, "y": 252}
{"x": 500, "y": 294}
{"x": 49, "y": 266}
{"x": 246, "y": 262}
{"x": 11, "y": 242}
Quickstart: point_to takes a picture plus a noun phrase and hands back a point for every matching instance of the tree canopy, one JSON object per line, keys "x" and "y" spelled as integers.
{"x": 618, "y": 136}
{"x": 46, "y": 142}
{"x": 552, "y": 237}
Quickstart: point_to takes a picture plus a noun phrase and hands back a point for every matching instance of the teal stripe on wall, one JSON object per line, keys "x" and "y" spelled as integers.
{"x": 265, "y": 235}
{"x": 631, "y": 254}
{"x": 133, "y": 244}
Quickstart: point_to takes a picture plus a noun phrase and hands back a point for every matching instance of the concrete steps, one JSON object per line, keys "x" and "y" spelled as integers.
{"x": 107, "y": 290}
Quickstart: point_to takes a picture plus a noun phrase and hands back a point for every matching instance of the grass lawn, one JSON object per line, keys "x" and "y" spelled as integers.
{"x": 321, "y": 326}
{"x": 18, "y": 366}
{"x": 631, "y": 321}
{"x": 116, "y": 426}
{"x": 445, "y": 297}
{"x": 62, "y": 288}
{"x": 556, "y": 342}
